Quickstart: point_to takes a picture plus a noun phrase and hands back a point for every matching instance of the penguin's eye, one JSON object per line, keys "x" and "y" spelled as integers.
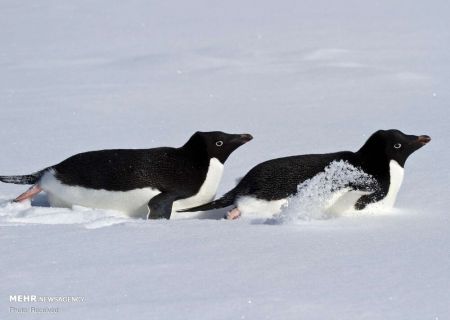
{"x": 219, "y": 143}
{"x": 397, "y": 145}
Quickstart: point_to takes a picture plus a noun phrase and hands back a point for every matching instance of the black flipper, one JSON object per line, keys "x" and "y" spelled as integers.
{"x": 378, "y": 192}
{"x": 26, "y": 179}
{"x": 369, "y": 198}
{"x": 365, "y": 184}
{"x": 226, "y": 200}
{"x": 161, "y": 206}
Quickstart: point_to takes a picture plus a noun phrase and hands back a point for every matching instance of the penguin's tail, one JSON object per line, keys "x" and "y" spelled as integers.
{"x": 26, "y": 179}
{"x": 225, "y": 201}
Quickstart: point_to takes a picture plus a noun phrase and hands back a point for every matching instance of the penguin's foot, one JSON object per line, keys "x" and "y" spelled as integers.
{"x": 30, "y": 193}
{"x": 233, "y": 214}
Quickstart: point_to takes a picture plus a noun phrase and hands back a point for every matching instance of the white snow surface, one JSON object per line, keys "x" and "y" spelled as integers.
{"x": 302, "y": 77}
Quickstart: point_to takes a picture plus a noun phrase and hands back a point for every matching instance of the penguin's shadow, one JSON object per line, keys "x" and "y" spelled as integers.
{"x": 40, "y": 200}
{"x": 217, "y": 214}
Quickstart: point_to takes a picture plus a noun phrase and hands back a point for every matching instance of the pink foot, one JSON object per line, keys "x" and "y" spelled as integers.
{"x": 233, "y": 214}
{"x": 30, "y": 193}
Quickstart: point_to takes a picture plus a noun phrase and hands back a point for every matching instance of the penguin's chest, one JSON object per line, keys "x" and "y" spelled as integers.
{"x": 396, "y": 173}
{"x": 207, "y": 191}
{"x": 133, "y": 202}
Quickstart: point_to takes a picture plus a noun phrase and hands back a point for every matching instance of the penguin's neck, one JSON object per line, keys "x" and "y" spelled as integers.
{"x": 388, "y": 172}
{"x": 373, "y": 159}
{"x": 196, "y": 150}
{"x": 374, "y": 164}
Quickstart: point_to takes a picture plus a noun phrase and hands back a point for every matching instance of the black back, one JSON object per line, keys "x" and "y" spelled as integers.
{"x": 279, "y": 178}
{"x": 167, "y": 169}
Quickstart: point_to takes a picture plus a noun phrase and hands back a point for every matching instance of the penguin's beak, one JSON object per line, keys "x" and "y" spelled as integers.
{"x": 423, "y": 140}
{"x": 240, "y": 139}
{"x": 246, "y": 137}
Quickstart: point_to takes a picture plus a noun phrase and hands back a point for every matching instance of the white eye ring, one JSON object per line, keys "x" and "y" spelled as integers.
{"x": 219, "y": 143}
{"x": 397, "y": 145}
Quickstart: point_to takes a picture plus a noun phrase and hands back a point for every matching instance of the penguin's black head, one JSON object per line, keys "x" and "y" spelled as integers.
{"x": 218, "y": 144}
{"x": 393, "y": 145}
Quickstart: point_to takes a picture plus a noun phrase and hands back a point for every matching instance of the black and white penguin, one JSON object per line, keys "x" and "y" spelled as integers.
{"x": 267, "y": 186}
{"x": 145, "y": 182}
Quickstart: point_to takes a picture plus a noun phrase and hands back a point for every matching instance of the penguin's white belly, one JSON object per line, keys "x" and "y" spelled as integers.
{"x": 134, "y": 202}
{"x": 252, "y": 206}
{"x": 343, "y": 201}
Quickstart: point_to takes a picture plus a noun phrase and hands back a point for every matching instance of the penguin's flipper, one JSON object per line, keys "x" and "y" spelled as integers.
{"x": 364, "y": 185}
{"x": 160, "y": 206}
{"x": 369, "y": 198}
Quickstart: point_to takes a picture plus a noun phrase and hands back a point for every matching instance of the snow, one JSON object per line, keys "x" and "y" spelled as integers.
{"x": 301, "y": 77}
{"x": 328, "y": 194}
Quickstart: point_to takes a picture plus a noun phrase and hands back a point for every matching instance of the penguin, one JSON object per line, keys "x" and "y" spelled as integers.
{"x": 138, "y": 182}
{"x": 267, "y": 186}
